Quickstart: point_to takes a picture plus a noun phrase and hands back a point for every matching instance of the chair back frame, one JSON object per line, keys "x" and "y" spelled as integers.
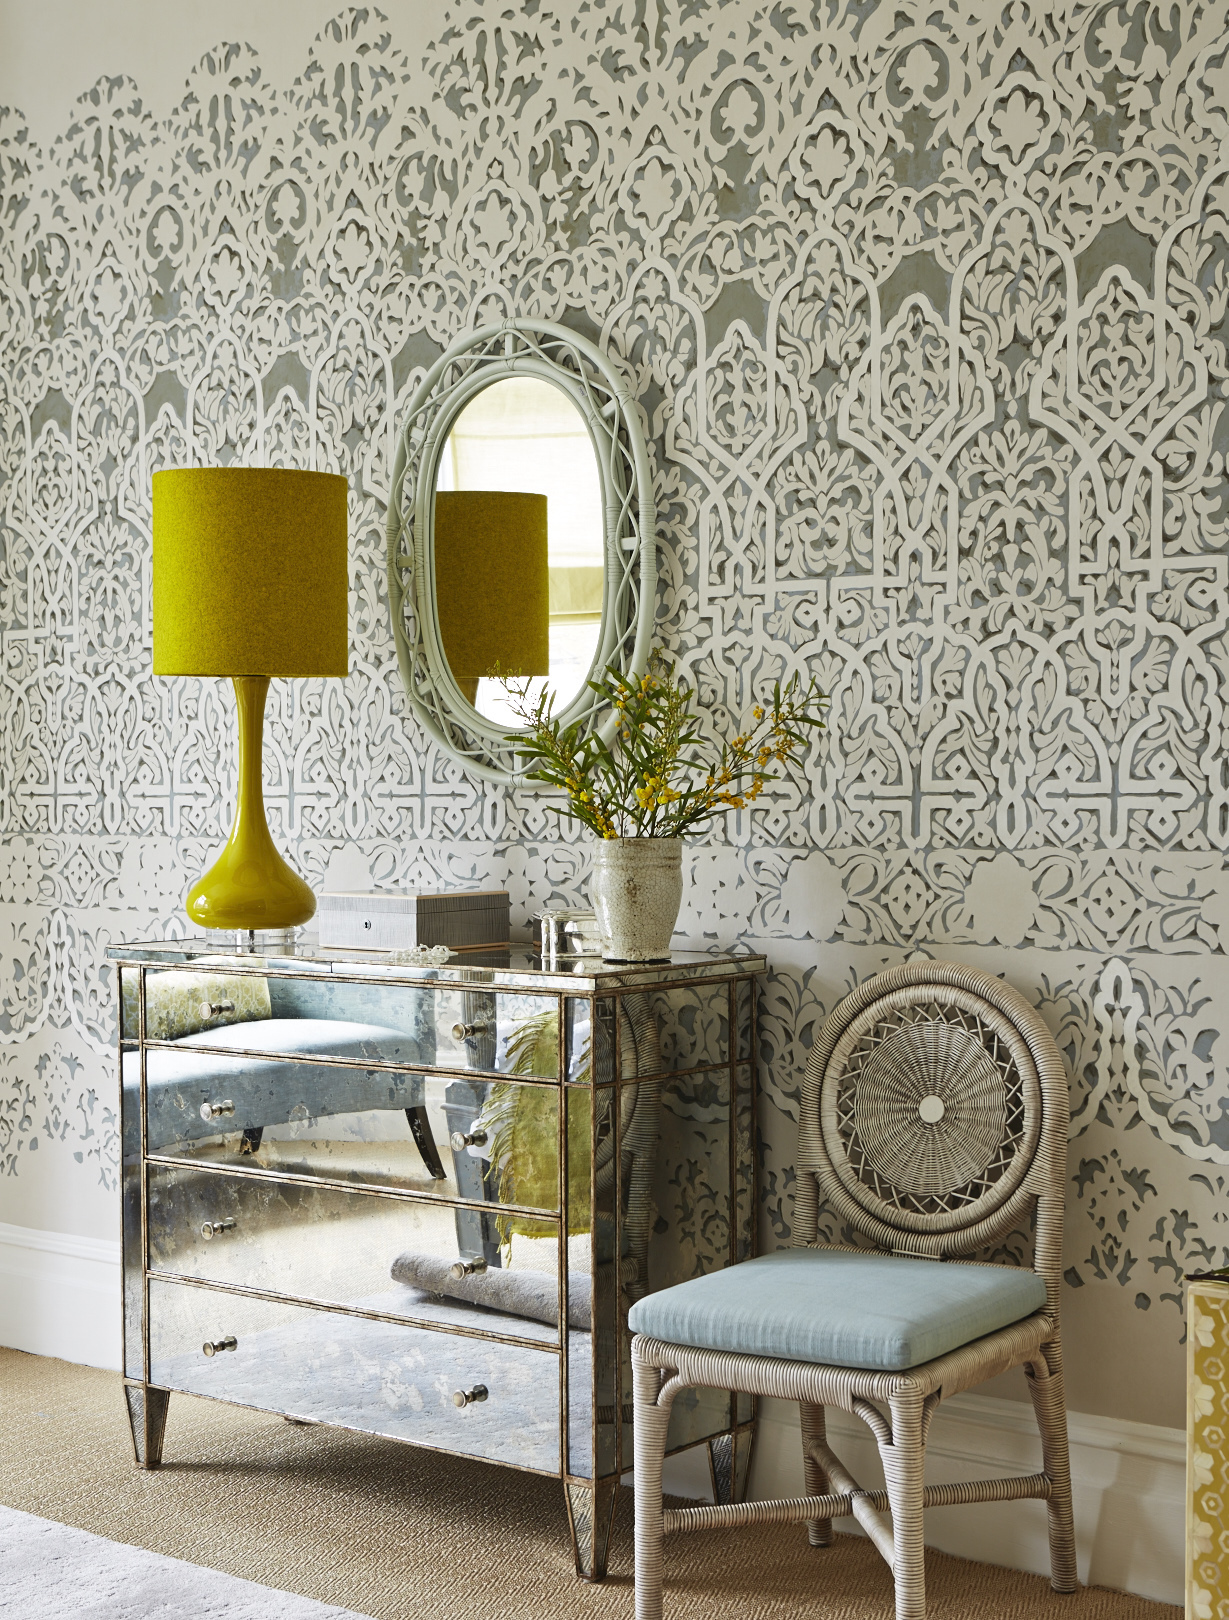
{"x": 906, "y": 1041}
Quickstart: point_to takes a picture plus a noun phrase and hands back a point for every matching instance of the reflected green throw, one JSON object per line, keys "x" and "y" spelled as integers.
{"x": 522, "y": 1123}
{"x": 250, "y": 580}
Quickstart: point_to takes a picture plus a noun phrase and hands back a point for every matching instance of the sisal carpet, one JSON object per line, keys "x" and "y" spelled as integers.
{"x": 52, "y": 1572}
{"x": 401, "y": 1534}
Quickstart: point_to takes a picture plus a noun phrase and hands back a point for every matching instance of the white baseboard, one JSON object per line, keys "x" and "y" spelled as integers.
{"x": 1128, "y": 1481}
{"x": 60, "y": 1296}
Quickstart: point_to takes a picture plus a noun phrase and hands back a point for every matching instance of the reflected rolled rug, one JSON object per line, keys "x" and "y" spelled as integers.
{"x": 532, "y": 1294}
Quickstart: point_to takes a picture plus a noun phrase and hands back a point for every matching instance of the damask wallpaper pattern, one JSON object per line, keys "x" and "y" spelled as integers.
{"x": 924, "y": 307}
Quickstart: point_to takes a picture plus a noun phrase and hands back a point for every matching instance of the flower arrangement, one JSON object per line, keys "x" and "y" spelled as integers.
{"x": 650, "y": 782}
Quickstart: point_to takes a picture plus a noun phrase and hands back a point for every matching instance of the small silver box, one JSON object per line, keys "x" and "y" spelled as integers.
{"x": 395, "y": 919}
{"x": 566, "y": 932}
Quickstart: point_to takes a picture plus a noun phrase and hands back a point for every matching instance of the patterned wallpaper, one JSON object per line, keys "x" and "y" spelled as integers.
{"x": 924, "y": 306}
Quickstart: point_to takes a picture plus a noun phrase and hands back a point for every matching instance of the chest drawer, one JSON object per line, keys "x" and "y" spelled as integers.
{"x": 318, "y": 1244}
{"x": 419, "y": 1026}
{"x": 380, "y": 1377}
{"x": 374, "y": 1128}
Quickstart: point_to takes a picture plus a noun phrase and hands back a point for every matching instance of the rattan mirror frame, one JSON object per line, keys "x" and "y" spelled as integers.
{"x": 577, "y": 366}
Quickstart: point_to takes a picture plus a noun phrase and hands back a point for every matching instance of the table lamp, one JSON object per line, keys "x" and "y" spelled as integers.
{"x": 492, "y": 584}
{"x": 250, "y": 581}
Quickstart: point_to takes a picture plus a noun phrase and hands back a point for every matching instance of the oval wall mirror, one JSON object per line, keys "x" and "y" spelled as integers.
{"x": 520, "y": 537}
{"x": 520, "y": 553}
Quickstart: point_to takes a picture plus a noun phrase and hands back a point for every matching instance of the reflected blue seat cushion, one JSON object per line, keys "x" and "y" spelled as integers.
{"x": 881, "y": 1312}
{"x": 269, "y": 1090}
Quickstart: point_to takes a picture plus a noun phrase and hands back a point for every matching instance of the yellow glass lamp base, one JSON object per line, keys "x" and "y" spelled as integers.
{"x": 250, "y": 886}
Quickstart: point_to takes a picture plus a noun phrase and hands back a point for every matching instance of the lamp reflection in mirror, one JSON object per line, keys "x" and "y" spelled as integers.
{"x": 250, "y": 580}
{"x": 492, "y": 584}
{"x": 525, "y": 433}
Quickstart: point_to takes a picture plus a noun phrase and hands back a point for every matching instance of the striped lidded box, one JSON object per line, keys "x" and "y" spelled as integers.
{"x": 393, "y": 919}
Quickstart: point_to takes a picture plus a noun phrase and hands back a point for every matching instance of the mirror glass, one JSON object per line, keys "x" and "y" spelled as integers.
{"x": 519, "y": 545}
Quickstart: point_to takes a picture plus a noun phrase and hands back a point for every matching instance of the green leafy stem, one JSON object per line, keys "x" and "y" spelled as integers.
{"x": 652, "y": 780}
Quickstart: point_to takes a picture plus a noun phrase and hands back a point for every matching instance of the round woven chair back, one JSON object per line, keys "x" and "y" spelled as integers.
{"x": 934, "y": 1114}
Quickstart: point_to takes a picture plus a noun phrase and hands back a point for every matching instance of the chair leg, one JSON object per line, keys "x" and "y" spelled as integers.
{"x": 420, "y": 1130}
{"x": 1045, "y": 1385}
{"x": 814, "y": 1428}
{"x": 652, "y": 1419}
{"x": 729, "y": 1464}
{"x": 904, "y": 1466}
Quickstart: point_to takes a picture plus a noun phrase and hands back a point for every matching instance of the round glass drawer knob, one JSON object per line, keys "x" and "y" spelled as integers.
{"x": 465, "y": 1268}
{"x": 471, "y": 1032}
{"x": 460, "y": 1140}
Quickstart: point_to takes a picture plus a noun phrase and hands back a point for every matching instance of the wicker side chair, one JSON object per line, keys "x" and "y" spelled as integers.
{"x": 933, "y": 1123}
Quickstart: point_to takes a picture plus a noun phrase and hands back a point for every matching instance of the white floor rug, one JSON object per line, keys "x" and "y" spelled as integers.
{"x": 53, "y": 1572}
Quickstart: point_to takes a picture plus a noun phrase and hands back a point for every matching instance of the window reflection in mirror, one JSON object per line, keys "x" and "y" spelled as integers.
{"x": 520, "y": 436}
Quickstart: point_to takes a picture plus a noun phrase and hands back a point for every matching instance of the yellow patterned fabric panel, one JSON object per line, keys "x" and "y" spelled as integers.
{"x": 179, "y": 1004}
{"x": 1207, "y": 1455}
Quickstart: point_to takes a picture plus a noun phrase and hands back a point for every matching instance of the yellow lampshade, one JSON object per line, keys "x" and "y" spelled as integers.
{"x": 492, "y": 583}
{"x": 250, "y": 574}
{"x": 250, "y": 581}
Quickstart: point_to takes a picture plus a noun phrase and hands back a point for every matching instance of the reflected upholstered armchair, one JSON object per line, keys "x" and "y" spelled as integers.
{"x": 933, "y": 1124}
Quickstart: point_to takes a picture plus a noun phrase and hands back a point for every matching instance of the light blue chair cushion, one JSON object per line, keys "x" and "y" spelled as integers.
{"x": 880, "y": 1312}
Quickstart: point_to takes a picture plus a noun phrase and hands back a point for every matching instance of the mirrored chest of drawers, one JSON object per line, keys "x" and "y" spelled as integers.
{"x": 419, "y": 1201}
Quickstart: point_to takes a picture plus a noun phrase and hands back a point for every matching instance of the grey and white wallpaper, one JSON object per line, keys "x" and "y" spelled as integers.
{"x": 925, "y": 309}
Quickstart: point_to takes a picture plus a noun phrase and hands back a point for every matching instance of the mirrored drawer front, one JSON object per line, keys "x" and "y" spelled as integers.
{"x": 495, "y": 1401}
{"x": 185, "y": 1001}
{"x": 426, "y": 1132}
{"x": 340, "y": 1248}
{"x": 493, "y": 1031}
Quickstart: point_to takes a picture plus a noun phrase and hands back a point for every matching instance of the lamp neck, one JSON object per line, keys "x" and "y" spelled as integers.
{"x": 250, "y": 886}
{"x": 250, "y": 694}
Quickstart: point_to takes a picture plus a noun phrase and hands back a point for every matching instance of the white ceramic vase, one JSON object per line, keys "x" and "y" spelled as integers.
{"x": 637, "y": 890}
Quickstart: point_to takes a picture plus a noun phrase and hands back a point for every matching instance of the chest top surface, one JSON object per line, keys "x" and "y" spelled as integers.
{"x": 516, "y": 968}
